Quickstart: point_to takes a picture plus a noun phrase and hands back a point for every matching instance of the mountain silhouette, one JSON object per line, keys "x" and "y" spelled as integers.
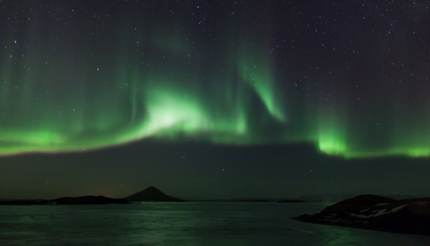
{"x": 152, "y": 194}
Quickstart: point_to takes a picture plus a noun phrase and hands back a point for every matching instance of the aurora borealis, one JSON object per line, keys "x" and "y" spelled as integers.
{"x": 349, "y": 78}
{"x": 214, "y": 99}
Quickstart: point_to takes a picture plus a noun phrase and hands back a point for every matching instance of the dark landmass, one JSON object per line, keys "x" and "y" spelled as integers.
{"x": 152, "y": 194}
{"x": 377, "y": 213}
{"x": 291, "y": 201}
{"x": 246, "y": 200}
{"x": 259, "y": 200}
{"x": 84, "y": 200}
{"x": 266, "y": 200}
{"x": 25, "y": 202}
{"x": 88, "y": 200}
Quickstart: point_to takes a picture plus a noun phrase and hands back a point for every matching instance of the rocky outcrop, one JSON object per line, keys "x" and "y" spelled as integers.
{"x": 377, "y": 213}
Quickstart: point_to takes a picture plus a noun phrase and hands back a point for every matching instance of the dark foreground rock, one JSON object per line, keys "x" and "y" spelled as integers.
{"x": 377, "y": 213}
{"x": 87, "y": 200}
{"x": 152, "y": 194}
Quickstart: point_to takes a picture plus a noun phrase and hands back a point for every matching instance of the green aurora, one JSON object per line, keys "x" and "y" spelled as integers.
{"x": 61, "y": 93}
{"x": 140, "y": 105}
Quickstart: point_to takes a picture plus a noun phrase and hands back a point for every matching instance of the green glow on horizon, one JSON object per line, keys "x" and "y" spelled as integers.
{"x": 331, "y": 146}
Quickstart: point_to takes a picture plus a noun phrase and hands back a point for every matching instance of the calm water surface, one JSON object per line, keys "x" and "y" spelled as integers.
{"x": 204, "y": 224}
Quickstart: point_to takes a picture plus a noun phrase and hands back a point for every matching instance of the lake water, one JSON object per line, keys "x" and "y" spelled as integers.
{"x": 174, "y": 224}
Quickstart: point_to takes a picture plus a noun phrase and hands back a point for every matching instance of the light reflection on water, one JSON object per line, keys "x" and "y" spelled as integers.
{"x": 181, "y": 224}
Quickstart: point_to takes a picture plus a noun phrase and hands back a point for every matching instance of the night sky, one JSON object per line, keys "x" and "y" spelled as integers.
{"x": 214, "y": 99}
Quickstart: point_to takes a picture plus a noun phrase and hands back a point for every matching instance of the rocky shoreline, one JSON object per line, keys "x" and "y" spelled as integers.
{"x": 377, "y": 213}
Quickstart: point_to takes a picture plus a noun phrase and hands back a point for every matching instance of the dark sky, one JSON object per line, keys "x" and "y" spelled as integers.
{"x": 214, "y": 98}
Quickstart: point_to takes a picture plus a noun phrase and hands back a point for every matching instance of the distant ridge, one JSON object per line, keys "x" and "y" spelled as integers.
{"x": 84, "y": 200}
{"x": 152, "y": 194}
{"x": 88, "y": 200}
